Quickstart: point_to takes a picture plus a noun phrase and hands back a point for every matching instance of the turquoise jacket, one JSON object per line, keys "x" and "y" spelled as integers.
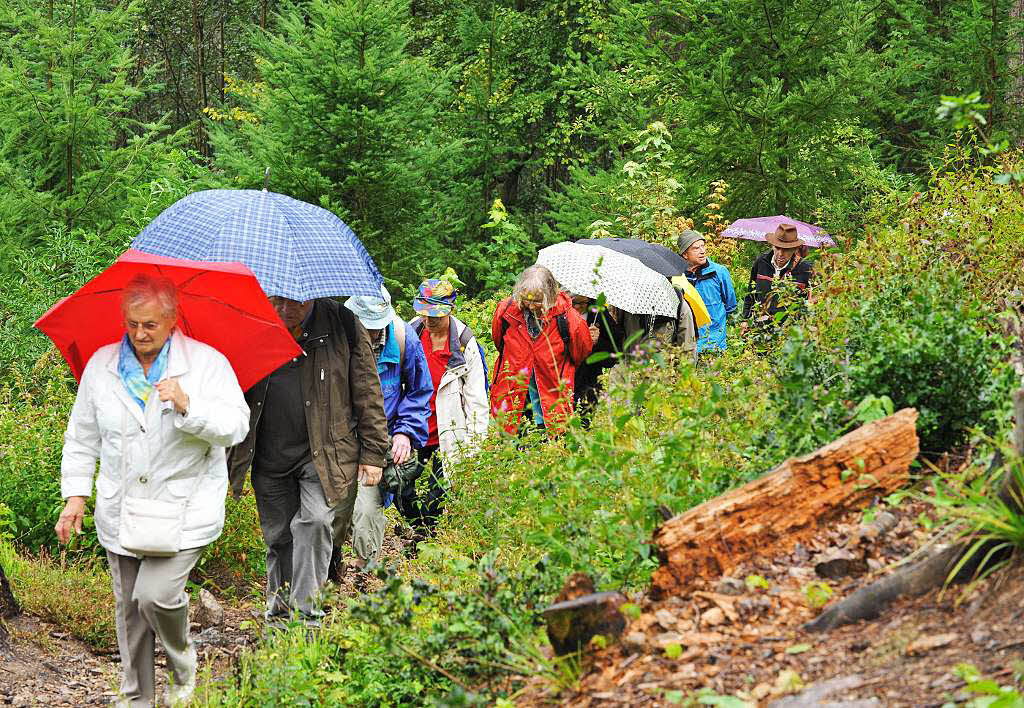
{"x": 714, "y": 284}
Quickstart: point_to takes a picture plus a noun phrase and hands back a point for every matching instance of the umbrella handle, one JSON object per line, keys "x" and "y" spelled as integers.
{"x": 266, "y": 178}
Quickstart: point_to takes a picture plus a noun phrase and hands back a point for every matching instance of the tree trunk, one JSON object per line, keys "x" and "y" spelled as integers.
{"x": 202, "y": 146}
{"x": 789, "y": 504}
{"x": 8, "y": 604}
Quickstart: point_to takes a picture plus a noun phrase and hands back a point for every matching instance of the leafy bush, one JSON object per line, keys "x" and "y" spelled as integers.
{"x": 31, "y": 437}
{"x": 923, "y": 345}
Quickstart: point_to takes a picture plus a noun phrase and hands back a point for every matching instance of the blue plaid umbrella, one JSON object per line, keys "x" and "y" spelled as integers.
{"x": 297, "y": 250}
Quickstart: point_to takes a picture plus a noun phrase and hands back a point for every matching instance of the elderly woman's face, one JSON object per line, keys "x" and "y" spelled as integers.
{"x": 148, "y": 327}
{"x": 534, "y": 302}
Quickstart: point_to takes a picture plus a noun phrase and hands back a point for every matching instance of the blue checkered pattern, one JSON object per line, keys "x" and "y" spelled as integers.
{"x": 296, "y": 250}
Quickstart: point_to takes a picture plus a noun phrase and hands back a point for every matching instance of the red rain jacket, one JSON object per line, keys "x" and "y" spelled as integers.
{"x": 544, "y": 357}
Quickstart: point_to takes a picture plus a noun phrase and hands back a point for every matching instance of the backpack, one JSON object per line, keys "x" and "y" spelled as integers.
{"x": 467, "y": 334}
{"x": 561, "y": 321}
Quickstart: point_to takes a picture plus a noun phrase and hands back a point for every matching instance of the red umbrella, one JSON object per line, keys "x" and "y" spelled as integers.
{"x": 220, "y": 304}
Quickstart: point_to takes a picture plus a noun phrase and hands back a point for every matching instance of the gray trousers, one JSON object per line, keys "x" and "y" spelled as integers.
{"x": 150, "y": 601}
{"x": 368, "y": 524}
{"x": 297, "y": 527}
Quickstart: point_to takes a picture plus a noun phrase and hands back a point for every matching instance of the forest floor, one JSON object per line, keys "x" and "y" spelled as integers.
{"x": 738, "y": 635}
{"x": 43, "y": 665}
{"x": 744, "y": 639}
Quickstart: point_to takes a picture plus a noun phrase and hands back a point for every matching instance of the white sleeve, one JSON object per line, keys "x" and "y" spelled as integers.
{"x": 82, "y": 443}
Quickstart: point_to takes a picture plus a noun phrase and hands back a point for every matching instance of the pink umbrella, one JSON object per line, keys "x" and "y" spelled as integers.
{"x": 758, "y": 228}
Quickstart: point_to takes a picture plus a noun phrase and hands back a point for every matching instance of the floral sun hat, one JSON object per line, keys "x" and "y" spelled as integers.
{"x": 436, "y": 298}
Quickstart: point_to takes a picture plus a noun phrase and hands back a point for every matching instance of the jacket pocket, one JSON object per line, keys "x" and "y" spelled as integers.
{"x": 345, "y": 439}
{"x": 180, "y": 488}
{"x": 106, "y": 487}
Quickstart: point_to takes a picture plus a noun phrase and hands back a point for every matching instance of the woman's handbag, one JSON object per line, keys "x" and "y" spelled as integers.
{"x": 151, "y": 527}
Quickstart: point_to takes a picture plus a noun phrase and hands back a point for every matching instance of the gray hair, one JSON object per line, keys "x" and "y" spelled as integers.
{"x": 536, "y": 280}
{"x": 145, "y": 287}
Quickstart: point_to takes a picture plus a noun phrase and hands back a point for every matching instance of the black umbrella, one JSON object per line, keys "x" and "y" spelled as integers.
{"x": 653, "y": 255}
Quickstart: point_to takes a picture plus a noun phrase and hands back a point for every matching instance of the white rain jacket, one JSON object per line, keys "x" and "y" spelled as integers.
{"x": 463, "y": 411}
{"x": 155, "y": 453}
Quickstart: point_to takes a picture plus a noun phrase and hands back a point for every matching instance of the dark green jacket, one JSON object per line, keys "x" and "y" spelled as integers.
{"x": 344, "y": 408}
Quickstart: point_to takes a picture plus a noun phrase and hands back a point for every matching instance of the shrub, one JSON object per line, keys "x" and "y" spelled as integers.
{"x": 31, "y": 437}
{"x": 923, "y": 344}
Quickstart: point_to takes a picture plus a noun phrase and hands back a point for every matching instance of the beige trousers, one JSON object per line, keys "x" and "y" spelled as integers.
{"x": 368, "y": 524}
{"x": 150, "y": 601}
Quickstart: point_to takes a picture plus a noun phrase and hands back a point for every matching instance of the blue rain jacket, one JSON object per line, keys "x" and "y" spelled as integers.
{"x": 406, "y": 386}
{"x": 714, "y": 284}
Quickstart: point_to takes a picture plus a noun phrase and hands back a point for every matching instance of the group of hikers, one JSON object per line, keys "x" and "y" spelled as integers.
{"x": 375, "y": 411}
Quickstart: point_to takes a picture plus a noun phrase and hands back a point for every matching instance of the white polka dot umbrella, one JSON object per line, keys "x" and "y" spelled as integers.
{"x": 626, "y": 282}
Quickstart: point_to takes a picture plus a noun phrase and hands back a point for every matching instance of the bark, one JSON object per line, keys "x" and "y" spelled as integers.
{"x": 8, "y": 604}
{"x": 573, "y": 623}
{"x": 935, "y": 568}
{"x": 790, "y": 504}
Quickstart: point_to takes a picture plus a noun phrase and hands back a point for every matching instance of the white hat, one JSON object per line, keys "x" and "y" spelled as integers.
{"x": 373, "y": 312}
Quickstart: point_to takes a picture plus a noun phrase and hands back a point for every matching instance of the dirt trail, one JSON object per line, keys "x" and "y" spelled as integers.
{"x": 746, "y": 640}
{"x": 43, "y": 665}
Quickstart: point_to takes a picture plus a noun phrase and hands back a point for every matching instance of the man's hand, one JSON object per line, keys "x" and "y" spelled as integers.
{"x": 595, "y": 333}
{"x": 70, "y": 518}
{"x": 401, "y": 448}
{"x": 169, "y": 390}
{"x": 369, "y": 475}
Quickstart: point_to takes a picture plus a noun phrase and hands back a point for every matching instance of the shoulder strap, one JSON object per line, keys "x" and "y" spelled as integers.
{"x": 467, "y": 334}
{"x": 348, "y": 322}
{"x": 417, "y": 325}
{"x": 562, "y": 320}
{"x": 504, "y": 328}
{"x": 399, "y": 327}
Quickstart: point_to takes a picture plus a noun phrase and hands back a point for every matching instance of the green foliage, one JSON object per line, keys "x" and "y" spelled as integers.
{"x": 31, "y": 437}
{"x": 344, "y": 664}
{"x": 922, "y": 345}
{"x": 817, "y": 594}
{"x": 236, "y": 562}
{"x": 985, "y": 510}
{"x": 344, "y": 117}
{"x": 71, "y": 148}
{"x": 986, "y": 692}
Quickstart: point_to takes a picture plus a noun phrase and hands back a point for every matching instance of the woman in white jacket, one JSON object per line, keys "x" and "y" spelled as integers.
{"x": 459, "y": 408}
{"x": 168, "y": 447}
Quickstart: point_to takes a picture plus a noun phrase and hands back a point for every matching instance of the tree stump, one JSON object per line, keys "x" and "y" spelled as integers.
{"x": 573, "y": 623}
{"x": 771, "y": 514}
{"x": 8, "y": 604}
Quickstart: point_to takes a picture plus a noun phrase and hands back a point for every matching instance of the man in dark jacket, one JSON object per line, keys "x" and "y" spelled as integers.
{"x": 317, "y": 429}
{"x": 786, "y": 262}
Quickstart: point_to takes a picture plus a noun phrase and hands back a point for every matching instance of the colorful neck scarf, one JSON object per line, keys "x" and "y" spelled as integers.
{"x": 138, "y": 384}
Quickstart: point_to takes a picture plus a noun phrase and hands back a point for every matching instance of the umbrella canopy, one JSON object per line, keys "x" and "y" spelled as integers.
{"x": 220, "y": 304}
{"x": 626, "y": 282}
{"x": 759, "y": 228}
{"x": 653, "y": 255}
{"x": 296, "y": 250}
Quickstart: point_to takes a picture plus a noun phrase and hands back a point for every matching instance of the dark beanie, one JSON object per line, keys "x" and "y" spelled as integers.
{"x": 688, "y": 238}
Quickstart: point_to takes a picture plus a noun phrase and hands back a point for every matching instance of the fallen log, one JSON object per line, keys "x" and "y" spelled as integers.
{"x": 968, "y": 556}
{"x": 789, "y": 504}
